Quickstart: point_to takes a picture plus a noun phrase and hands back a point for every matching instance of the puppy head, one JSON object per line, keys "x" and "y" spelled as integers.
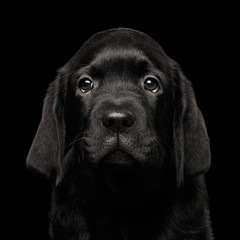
{"x": 121, "y": 101}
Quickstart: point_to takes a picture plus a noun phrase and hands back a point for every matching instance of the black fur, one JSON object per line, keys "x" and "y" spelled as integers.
{"x": 126, "y": 162}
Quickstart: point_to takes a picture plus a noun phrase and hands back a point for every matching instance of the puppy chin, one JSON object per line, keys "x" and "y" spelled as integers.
{"x": 118, "y": 160}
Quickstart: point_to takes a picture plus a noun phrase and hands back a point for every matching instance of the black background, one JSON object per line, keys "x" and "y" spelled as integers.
{"x": 38, "y": 40}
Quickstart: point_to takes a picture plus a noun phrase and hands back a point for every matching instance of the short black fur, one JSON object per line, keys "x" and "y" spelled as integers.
{"x": 125, "y": 162}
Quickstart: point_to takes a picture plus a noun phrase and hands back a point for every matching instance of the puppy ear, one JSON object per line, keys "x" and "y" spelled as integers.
{"x": 191, "y": 142}
{"x": 46, "y": 152}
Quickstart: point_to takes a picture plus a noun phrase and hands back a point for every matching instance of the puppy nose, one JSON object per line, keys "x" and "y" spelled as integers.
{"x": 118, "y": 121}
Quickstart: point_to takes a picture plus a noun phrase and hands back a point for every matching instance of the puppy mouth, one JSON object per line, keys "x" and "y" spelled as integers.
{"x": 116, "y": 151}
{"x": 118, "y": 160}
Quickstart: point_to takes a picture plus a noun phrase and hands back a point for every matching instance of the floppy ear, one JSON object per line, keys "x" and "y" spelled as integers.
{"x": 46, "y": 152}
{"x": 191, "y": 142}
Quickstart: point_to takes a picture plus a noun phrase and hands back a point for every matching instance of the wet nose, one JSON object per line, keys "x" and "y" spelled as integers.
{"x": 119, "y": 121}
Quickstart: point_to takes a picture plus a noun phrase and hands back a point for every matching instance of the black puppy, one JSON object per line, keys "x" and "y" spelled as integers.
{"x": 124, "y": 144}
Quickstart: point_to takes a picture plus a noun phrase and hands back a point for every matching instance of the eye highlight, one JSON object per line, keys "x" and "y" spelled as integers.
{"x": 151, "y": 84}
{"x": 85, "y": 84}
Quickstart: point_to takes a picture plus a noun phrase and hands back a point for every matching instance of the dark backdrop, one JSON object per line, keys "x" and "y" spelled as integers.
{"x": 40, "y": 40}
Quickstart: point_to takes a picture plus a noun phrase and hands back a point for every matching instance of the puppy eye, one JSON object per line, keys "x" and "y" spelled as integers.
{"x": 85, "y": 84}
{"x": 151, "y": 84}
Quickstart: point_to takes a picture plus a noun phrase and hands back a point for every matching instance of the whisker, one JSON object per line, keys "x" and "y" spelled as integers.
{"x": 76, "y": 139}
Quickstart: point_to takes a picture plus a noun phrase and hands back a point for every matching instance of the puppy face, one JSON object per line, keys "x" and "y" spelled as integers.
{"x": 122, "y": 93}
{"x": 121, "y": 101}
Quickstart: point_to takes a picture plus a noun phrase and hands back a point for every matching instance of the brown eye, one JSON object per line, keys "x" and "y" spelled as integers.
{"x": 85, "y": 84}
{"x": 151, "y": 84}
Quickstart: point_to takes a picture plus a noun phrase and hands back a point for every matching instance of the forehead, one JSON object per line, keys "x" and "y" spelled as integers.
{"x": 119, "y": 50}
{"x": 109, "y": 54}
{"x": 120, "y": 62}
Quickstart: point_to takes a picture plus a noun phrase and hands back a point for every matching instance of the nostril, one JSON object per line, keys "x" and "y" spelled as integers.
{"x": 118, "y": 121}
{"x": 128, "y": 121}
{"x": 107, "y": 121}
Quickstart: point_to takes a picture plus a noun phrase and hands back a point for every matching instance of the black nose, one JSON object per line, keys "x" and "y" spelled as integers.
{"x": 118, "y": 121}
